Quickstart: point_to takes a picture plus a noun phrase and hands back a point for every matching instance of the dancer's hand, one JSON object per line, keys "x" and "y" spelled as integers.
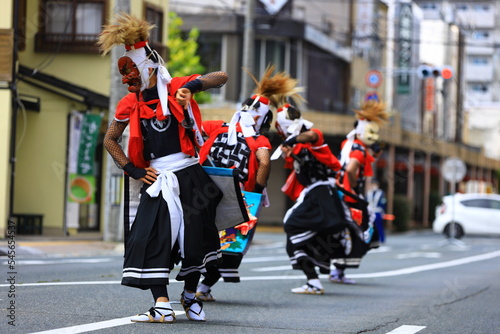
{"x": 151, "y": 175}
{"x": 287, "y": 150}
{"x": 183, "y": 96}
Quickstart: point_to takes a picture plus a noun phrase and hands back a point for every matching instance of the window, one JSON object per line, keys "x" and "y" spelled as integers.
{"x": 275, "y": 54}
{"x": 481, "y": 8}
{"x": 270, "y": 51}
{"x": 480, "y": 35}
{"x": 479, "y": 60}
{"x": 70, "y": 25}
{"x": 210, "y": 49}
{"x": 494, "y": 204}
{"x": 428, "y": 6}
{"x": 484, "y": 203}
{"x": 476, "y": 203}
{"x": 461, "y": 7}
{"x": 479, "y": 88}
{"x": 154, "y": 15}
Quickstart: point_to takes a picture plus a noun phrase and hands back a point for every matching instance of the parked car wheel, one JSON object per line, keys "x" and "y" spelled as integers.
{"x": 459, "y": 231}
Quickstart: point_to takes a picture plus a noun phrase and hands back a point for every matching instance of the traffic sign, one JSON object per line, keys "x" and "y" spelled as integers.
{"x": 373, "y": 78}
{"x": 371, "y": 96}
{"x": 453, "y": 170}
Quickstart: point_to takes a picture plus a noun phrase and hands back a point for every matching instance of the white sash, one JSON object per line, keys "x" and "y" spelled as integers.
{"x": 168, "y": 184}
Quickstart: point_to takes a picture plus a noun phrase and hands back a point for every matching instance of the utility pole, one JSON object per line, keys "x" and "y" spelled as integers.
{"x": 113, "y": 214}
{"x": 15, "y": 106}
{"x": 460, "y": 93}
{"x": 248, "y": 46}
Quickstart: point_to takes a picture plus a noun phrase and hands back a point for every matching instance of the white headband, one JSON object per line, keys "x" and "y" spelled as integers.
{"x": 351, "y": 136}
{"x": 144, "y": 63}
{"x": 361, "y": 126}
{"x": 291, "y": 127}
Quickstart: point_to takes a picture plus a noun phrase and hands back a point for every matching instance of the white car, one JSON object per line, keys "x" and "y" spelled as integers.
{"x": 472, "y": 213}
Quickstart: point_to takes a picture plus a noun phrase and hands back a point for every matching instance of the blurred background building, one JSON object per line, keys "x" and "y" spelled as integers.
{"x": 478, "y": 22}
{"x": 435, "y": 63}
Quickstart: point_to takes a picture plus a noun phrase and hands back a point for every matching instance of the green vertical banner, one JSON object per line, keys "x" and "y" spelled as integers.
{"x": 88, "y": 141}
{"x": 404, "y": 54}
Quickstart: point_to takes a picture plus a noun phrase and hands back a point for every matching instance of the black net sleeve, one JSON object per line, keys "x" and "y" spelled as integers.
{"x": 264, "y": 157}
{"x": 213, "y": 80}
{"x": 112, "y": 145}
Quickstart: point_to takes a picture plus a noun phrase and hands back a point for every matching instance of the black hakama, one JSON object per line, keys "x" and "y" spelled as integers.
{"x": 149, "y": 255}
{"x": 311, "y": 225}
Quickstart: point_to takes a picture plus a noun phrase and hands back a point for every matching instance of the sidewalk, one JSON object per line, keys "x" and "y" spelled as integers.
{"x": 82, "y": 244}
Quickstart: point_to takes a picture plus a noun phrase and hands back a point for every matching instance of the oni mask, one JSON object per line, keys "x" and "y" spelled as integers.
{"x": 130, "y": 74}
{"x": 367, "y": 132}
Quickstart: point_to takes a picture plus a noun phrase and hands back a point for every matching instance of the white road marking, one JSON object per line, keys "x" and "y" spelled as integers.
{"x": 452, "y": 263}
{"x": 94, "y": 326}
{"x": 265, "y": 259}
{"x": 88, "y": 327}
{"x": 432, "y": 255}
{"x": 398, "y": 272}
{"x": 381, "y": 249}
{"x": 61, "y": 261}
{"x": 66, "y": 283}
{"x": 124, "y": 321}
{"x": 279, "y": 245}
{"x": 404, "y": 271}
{"x": 276, "y": 268}
{"x": 406, "y": 329}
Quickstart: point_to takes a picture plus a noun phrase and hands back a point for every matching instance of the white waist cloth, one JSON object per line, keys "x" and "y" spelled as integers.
{"x": 167, "y": 183}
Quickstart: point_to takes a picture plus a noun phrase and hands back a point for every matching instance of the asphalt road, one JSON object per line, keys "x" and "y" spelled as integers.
{"x": 417, "y": 282}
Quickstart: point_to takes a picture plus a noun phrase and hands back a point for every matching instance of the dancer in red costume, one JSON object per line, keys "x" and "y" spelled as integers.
{"x": 318, "y": 213}
{"x": 242, "y": 144}
{"x": 165, "y": 127}
{"x": 356, "y": 163}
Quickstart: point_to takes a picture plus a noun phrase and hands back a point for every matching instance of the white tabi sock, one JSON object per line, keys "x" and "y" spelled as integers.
{"x": 203, "y": 288}
{"x": 315, "y": 282}
{"x": 188, "y": 295}
{"x": 337, "y": 272}
{"x": 163, "y": 305}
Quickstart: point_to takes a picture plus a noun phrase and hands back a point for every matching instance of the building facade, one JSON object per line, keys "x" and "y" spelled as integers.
{"x": 342, "y": 52}
{"x": 479, "y": 23}
{"x": 6, "y": 116}
{"x": 53, "y": 164}
{"x": 385, "y": 38}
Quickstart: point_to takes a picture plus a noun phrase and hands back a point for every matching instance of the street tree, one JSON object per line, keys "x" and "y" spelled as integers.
{"x": 182, "y": 53}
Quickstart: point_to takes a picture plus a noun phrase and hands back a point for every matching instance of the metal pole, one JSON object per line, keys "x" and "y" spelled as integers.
{"x": 112, "y": 225}
{"x": 454, "y": 178}
{"x": 453, "y": 233}
{"x": 13, "y": 88}
{"x": 248, "y": 43}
